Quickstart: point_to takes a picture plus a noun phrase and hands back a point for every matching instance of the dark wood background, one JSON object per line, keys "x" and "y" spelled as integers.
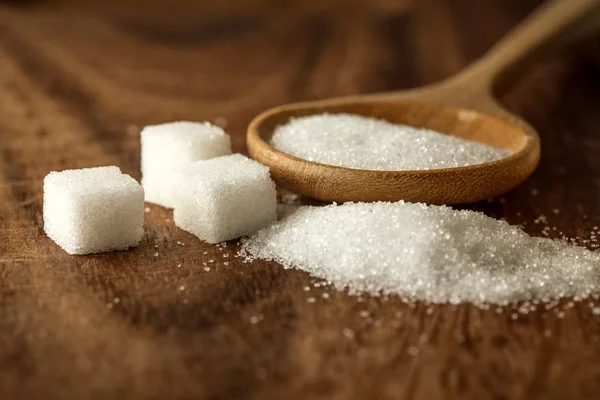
{"x": 76, "y": 84}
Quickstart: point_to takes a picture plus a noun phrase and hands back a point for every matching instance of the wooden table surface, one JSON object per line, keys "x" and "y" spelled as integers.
{"x": 153, "y": 322}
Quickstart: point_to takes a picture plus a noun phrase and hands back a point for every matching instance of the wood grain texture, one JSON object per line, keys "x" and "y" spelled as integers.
{"x": 75, "y": 86}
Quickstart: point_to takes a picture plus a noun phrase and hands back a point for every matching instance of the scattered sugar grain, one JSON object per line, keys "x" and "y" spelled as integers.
{"x": 222, "y": 122}
{"x": 206, "y": 269}
{"x": 133, "y": 130}
{"x": 355, "y": 141}
{"x": 547, "y": 333}
{"x": 431, "y": 253}
{"x": 348, "y": 333}
{"x": 147, "y": 209}
{"x": 413, "y": 351}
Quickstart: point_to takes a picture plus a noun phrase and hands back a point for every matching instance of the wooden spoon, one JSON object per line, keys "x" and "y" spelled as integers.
{"x": 463, "y": 106}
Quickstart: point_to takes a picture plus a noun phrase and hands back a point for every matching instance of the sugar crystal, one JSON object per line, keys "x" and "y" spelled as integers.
{"x": 359, "y": 142}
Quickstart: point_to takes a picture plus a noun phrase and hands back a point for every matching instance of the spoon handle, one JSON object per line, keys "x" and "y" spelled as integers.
{"x": 554, "y": 23}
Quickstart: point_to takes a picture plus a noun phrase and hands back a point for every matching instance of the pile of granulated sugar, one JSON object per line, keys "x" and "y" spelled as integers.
{"x": 430, "y": 253}
{"x": 354, "y": 141}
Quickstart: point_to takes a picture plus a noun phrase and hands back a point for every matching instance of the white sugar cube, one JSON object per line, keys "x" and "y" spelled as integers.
{"x": 223, "y": 198}
{"x": 93, "y": 210}
{"x": 169, "y": 145}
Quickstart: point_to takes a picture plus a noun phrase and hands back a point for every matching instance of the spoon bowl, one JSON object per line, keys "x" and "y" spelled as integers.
{"x": 436, "y": 186}
{"x": 463, "y": 106}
